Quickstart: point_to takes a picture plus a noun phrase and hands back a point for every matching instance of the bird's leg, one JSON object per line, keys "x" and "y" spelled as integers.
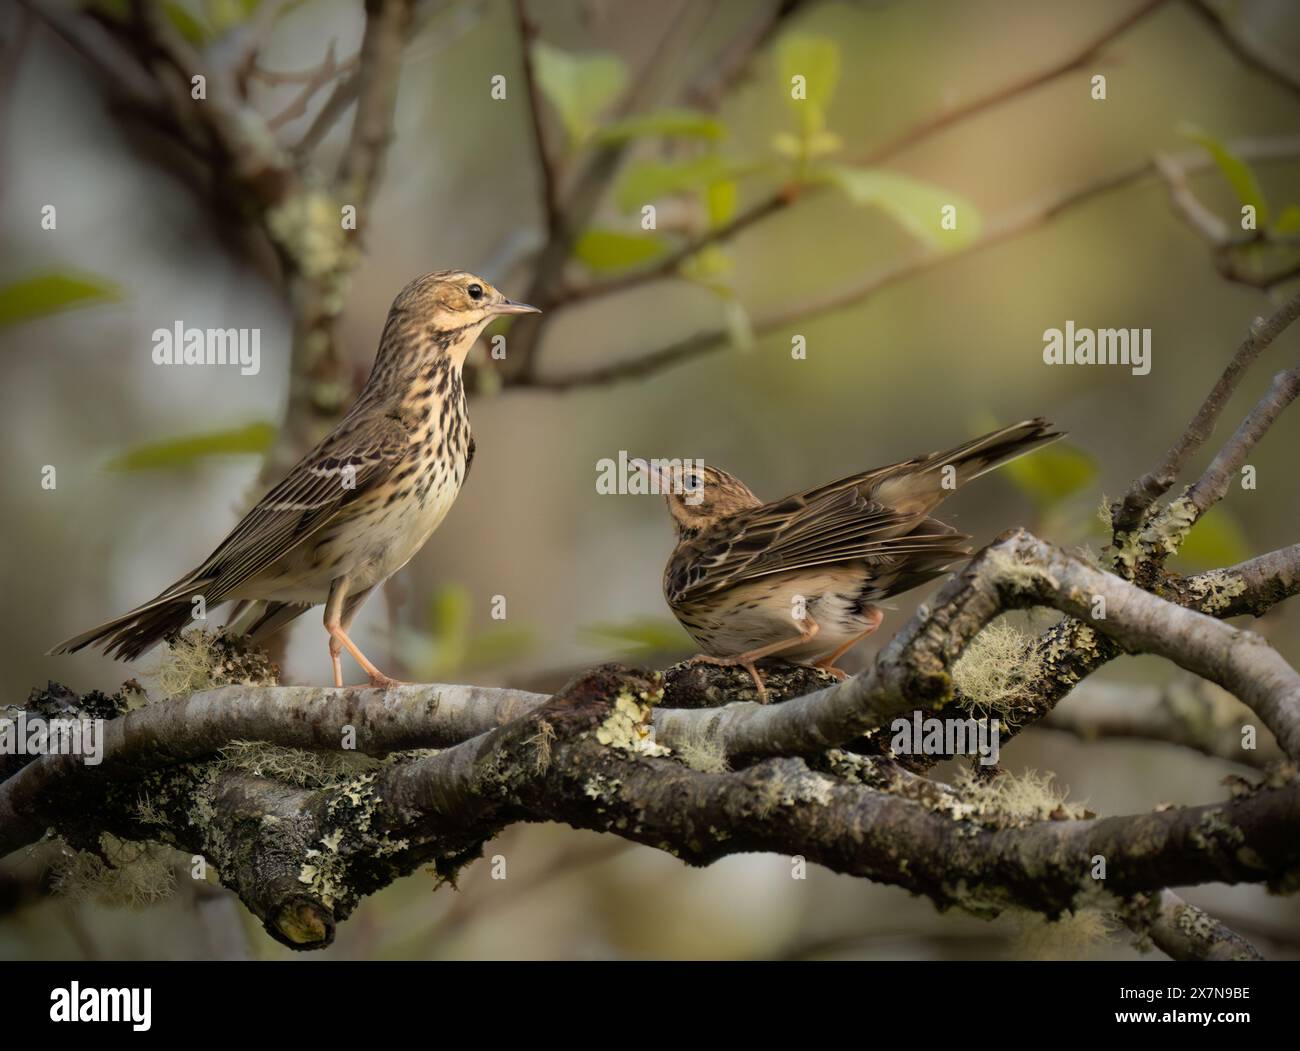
{"x": 828, "y": 663}
{"x": 808, "y": 629}
{"x": 338, "y": 618}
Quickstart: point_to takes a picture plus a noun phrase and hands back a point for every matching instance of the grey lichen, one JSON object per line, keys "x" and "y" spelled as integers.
{"x": 997, "y": 672}
{"x": 1214, "y": 591}
{"x": 294, "y": 766}
{"x": 122, "y": 873}
{"x": 201, "y": 659}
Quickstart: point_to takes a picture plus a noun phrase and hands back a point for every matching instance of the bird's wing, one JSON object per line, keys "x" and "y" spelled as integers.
{"x": 349, "y": 462}
{"x": 837, "y": 523}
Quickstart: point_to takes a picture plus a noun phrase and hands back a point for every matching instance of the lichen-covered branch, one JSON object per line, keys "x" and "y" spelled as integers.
{"x": 301, "y": 857}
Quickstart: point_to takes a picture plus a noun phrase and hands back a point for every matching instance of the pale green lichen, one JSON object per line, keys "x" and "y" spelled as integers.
{"x": 1072, "y": 936}
{"x": 129, "y": 874}
{"x": 997, "y": 672}
{"x": 1020, "y": 576}
{"x": 703, "y": 749}
{"x": 1013, "y": 800}
{"x": 1170, "y": 528}
{"x": 202, "y": 660}
{"x": 628, "y": 726}
{"x": 1214, "y": 591}
{"x": 293, "y": 766}
{"x": 308, "y": 227}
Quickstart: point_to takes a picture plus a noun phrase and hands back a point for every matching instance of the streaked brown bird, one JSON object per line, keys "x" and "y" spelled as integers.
{"x": 800, "y": 577}
{"x": 355, "y": 509}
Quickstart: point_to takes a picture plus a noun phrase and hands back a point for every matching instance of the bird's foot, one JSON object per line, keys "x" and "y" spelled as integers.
{"x": 381, "y": 681}
{"x": 839, "y": 674}
{"x": 739, "y": 661}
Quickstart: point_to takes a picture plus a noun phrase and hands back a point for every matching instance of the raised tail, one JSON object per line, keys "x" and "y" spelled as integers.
{"x": 922, "y": 483}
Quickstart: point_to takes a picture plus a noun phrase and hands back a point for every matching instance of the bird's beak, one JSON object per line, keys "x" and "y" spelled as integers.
{"x": 509, "y": 306}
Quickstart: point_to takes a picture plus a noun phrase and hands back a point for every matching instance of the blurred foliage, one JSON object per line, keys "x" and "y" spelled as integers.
{"x": 1052, "y": 473}
{"x": 917, "y": 206}
{"x": 615, "y": 250}
{"x": 644, "y": 634}
{"x": 1235, "y": 170}
{"x": 1272, "y": 250}
{"x": 253, "y": 439}
{"x": 580, "y": 87}
{"x": 669, "y": 122}
{"x": 1217, "y": 540}
{"x": 448, "y": 645}
{"x": 34, "y": 297}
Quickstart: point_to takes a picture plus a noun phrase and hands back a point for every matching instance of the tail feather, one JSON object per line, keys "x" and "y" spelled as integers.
{"x": 922, "y": 484}
{"x": 128, "y": 636}
{"x": 131, "y": 634}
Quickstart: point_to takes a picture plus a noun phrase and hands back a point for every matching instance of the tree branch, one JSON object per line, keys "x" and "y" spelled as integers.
{"x": 1130, "y": 513}
{"x": 1011, "y": 224}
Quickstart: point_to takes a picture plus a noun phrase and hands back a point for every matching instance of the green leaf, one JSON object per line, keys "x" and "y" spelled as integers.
{"x": 1050, "y": 474}
{"x": 680, "y": 123}
{"x": 918, "y": 206}
{"x": 648, "y": 180}
{"x": 223, "y": 15}
{"x": 817, "y": 60}
{"x": 251, "y": 440}
{"x": 707, "y": 266}
{"x": 580, "y": 87}
{"x": 1289, "y": 221}
{"x": 185, "y": 23}
{"x": 720, "y": 198}
{"x": 1215, "y": 541}
{"x": 613, "y": 250}
{"x": 1235, "y": 170}
{"x": 35, "y": 297}
{"x": 644, "y": 633}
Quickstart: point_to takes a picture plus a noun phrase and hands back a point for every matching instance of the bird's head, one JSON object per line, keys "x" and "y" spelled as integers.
{"x": 448, "y": 309}
{"x": 698, "y": 495}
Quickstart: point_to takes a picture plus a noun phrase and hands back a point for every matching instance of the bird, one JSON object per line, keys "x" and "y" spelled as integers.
{"x": 802, "y": 577}
{"x": 359, "y": 505}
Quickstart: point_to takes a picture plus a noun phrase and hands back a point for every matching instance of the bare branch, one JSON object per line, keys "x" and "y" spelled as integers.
{"x": 1256, "y": 55}
{"x": 1184, "y": 932}
{"x": 1011, "y": 224}
{"x": 1132, "y": 510}
{"x": 1178, "y": 714}
{"x": 381, "y": 63}
{"x": 547, "y": 174}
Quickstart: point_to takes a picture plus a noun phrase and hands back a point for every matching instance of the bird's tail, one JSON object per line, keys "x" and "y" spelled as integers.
{"x": 926, "y": 481}
{"x": 128, "y": 636}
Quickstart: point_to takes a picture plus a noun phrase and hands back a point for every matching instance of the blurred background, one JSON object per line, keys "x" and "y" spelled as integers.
{"x": 916, "y": 339}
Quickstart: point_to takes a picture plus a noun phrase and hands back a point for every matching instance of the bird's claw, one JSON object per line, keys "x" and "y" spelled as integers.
{"x": 383, "y": 682}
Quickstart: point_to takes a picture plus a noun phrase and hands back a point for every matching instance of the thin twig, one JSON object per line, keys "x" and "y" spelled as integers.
{"x": 1255, "y": 55}
{"x": 1131, "y": 511}
{"x": 548, "y": 175}
{"x": 1010, "y": 224}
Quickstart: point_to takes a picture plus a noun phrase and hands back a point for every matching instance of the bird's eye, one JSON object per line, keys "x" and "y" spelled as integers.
{"x": 475, "y": 291}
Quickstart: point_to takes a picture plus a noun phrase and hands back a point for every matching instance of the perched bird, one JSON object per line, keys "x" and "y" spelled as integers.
{"x": 355, "y": 509}
{"x": 800, "y": 577}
